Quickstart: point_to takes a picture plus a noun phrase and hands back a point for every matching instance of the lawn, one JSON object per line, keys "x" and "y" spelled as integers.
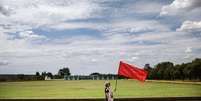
{"x": 94, "y": 89}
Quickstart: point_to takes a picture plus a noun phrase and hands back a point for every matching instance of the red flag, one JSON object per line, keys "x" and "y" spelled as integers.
{"x": 132, "y": 72}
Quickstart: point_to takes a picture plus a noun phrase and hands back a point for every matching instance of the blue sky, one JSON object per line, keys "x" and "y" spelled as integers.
{"x": 94, "y": 35}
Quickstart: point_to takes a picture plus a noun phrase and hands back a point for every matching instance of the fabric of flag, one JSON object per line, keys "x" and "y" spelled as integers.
{"x": 132, "y": 72}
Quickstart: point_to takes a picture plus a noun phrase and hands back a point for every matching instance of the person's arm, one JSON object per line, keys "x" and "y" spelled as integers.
{"x": 106, "y": 90}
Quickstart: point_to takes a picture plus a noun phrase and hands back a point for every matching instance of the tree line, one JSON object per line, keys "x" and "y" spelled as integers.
{"x": 161, "y": 71}
{"x": 59, "y": 75}
{"x": 36, "y": 76}
{"x": 169, "y": 71}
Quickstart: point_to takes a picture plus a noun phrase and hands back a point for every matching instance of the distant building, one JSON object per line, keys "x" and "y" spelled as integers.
{"x": 90, "y": 77}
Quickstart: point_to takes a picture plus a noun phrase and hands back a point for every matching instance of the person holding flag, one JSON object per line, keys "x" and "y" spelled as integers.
{"x": 108, "y": 92}
{"x": 126, "y": 70}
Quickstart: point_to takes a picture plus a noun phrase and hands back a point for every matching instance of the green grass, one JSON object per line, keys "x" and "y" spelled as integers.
{"x": 94, "y": 89}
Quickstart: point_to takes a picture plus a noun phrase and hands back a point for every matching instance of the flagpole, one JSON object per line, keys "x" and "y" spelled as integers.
{"x": 117, "y": 78}
{"x": 116, "y": 84}
{"x": 116, "y": 81}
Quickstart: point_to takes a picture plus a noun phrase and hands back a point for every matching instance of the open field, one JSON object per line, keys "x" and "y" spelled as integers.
{"x": 95, "y": 89}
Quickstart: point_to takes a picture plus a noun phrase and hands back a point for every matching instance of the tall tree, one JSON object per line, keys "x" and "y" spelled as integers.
{"x": 164, "y": 70}
{"x": 64, "y": 71}
{"x": 177, "y": 74}
{"x": 188, "y": 71}
{"x": 38, "y": 77}
{"x": 196, "y": 69}
{"x": 181, "y": 70}
{"x": 49, "y": 74}
{"x": 167, "y": 70}
{"x": 37, "y": 74}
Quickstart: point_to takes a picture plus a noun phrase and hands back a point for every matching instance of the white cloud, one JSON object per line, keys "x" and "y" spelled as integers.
{"x": 144, "y": 7}
{"x": 30, "y": 35}
{"x": 132, "y": 59}
{"x": 180, "y": 7}
{"x": 3, "y": 62}
{"x": 188, "y": 50}
{"x": 4, "y": 10}
{"x": 77, "y": 25}
{"x": 190, "y": 26}
{"x": 38, "y": 13}
{"x": 135, "y": 26}
{"x": 94, "y": 60}
{"x": 82, "y": 54}
{"x": 116, "y": 26}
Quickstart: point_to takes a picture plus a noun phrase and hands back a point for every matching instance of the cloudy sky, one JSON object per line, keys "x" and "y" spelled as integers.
{"x": 94, "y": 35}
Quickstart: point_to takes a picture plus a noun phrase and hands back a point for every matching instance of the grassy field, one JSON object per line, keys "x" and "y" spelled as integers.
{"x": 95, "y": 89}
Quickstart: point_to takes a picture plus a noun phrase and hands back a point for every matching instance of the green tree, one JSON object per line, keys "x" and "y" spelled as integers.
{"x": 167, "y": 73}
{"x": 37, "y": 74}
{"x": 196, "y": 69}
{"x": 164, "y": 70}
{"x": 167, "y": 70}
{"x": 49, "y": 74}
{"x": 176, "y": 74}
{"x": 188, "y": 71}
{"x": 181, "y": 70}
{"x": 43, "y": 74}
{"x": 154, "y": 73}
{"x": 64, "y": 71}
